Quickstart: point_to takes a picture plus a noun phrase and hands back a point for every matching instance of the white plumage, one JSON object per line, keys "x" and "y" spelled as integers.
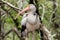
{"x": 31, "y": 19}
{"x": 24, "y": 19}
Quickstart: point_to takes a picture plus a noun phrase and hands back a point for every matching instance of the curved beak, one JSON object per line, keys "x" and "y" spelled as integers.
{"x": 21, "y": 12}
{"x": 26, "y": 9}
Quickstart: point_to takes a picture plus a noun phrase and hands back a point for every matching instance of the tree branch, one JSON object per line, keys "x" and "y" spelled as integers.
{"x": 13, "y": 30}
{"x": 8, "y": 32}
{"x": 46, "y": 32}
{"x": 15, "y": 21}
{"x": 10, "y": 5}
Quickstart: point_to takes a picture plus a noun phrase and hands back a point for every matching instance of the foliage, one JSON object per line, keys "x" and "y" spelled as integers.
{"x": 46, "y": 19}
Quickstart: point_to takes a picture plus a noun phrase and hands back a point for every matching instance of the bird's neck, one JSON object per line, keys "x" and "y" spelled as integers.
{"x": 31, "y": 12}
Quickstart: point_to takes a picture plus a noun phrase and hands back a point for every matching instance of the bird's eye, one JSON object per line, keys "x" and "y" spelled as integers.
{"x": 34, "y": 14}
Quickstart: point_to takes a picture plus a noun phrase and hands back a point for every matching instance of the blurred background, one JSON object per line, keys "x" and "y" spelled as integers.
{"x": 49, "y": 12}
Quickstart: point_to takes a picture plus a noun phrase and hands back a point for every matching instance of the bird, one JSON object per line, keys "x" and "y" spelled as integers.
{"x": 30, "y": 20}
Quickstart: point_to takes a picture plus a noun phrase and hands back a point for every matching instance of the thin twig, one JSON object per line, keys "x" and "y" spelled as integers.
{"x": 10, "y": 5}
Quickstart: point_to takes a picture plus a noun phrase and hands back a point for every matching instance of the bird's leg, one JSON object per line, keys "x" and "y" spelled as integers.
{"x": 26, "y": 35}
{"x": 33, "y": 35}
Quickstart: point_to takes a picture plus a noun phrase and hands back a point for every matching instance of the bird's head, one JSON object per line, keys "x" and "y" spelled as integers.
{"x": 29, "y": 8}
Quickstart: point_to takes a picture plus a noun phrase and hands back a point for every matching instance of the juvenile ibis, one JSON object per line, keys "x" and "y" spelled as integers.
{"x": 30, "y": 21}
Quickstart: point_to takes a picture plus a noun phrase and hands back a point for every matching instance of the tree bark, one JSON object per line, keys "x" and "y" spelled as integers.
{"x": 1, "y": 27}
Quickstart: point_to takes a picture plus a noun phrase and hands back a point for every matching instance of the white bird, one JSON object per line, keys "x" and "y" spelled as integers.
{"x": 30, "y": 20}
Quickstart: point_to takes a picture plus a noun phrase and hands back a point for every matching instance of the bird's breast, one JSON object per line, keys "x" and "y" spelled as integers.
{"x": 31, "y": 18}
